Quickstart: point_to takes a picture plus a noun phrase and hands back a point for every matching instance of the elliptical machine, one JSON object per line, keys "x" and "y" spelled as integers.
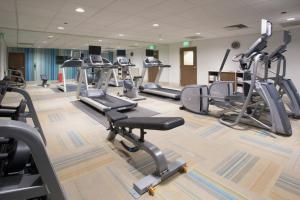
{"x": 285, "y": 85}
{"x": 130, "y": 84}
{"x": 249, "y": 107}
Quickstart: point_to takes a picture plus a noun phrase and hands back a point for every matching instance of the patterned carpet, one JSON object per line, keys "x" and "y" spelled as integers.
{"x": 223, "y": 163}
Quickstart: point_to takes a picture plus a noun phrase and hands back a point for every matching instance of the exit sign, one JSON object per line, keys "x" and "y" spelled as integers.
{"x": 186, "y": 43}
{"x": 152, "y": 46}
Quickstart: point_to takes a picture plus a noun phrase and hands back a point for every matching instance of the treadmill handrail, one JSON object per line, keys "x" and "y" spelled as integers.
{"x": 30, "y": 136}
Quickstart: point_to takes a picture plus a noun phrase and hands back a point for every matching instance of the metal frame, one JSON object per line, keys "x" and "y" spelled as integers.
{"x": 163, "y": 170}
{"x": 31, "y": 110}
{"x": 27, "y": 187}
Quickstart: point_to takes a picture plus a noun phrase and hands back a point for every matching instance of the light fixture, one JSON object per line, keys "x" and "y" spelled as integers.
{"x": 155, "y": 25}
{"x": 198, "y": 33}
{"x": 161, "y": 39}
{"x": 80, "y": 10}
{"x": 290, "y": 19}
{"x": 50, "y": 36}
{"x": 99, "y": 40}
{"x": 44, "y": 42}
{"x": 60, "y": 28}
{"x": 121, "y": 34}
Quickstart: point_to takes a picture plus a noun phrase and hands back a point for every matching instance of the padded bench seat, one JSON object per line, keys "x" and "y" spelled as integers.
{"x": 151, "y": 123}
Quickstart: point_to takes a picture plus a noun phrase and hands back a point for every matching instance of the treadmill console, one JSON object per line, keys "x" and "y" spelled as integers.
{"x": 74, "y": 61}
{"x": 123, "y": 61}
{"x": 96, "y": 59}
{"x": 151, "y": 62}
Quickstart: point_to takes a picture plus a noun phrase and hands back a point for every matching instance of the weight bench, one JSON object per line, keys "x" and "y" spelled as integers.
{"x": 119, "y": 123}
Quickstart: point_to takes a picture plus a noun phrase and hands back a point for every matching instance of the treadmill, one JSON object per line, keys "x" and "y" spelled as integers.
{"x": 155, "y": 88}
{"x": 130, "y": 83}
{"x": 96, "y": 96}
{"x": 71, "y": 63}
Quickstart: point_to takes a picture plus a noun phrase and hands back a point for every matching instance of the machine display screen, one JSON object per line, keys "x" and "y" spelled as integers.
{"x": 95, "y": 50}
{"x": 61, "y": 59}
{"x": 121, "y": 53}
{"x": 149, "y": 53}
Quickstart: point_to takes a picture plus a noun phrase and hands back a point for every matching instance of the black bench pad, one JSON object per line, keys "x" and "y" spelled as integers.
{"x": 152, "y": 123}
{"x": 113, "y": 116}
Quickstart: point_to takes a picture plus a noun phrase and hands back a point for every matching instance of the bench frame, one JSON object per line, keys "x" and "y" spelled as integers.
{"x": 163, "y": 169}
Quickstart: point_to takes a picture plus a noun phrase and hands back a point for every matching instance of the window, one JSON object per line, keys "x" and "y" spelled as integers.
{"x": 188, "y": 58}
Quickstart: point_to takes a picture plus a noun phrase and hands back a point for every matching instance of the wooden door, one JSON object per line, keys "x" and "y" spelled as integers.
{"x": 188, "y": 66}
{"x": 17, "y": 61}
{"x": 152, "y": 71}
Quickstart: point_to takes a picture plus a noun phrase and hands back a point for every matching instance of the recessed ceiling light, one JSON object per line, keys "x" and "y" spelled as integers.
{"x": 198, "y": 33}
{"x": 290, "y": 19}
{"x": 80, "y": 10}
{"x": 60, "y": 28}
{"x": 121, "y": 34}
{"x": 44, "y": 42}
{"x": 155, "y": 25}
{"x": 99, "y": 40}
{"x": 161, "y": 39}
{"x": 50, "y": 36}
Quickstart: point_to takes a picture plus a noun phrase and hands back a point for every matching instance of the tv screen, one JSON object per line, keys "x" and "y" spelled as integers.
{"x": 149, "y": 53}
{"x": 61, "y": 59}
{"x": 121, "y": 52}
{"x": 95, "y": 50}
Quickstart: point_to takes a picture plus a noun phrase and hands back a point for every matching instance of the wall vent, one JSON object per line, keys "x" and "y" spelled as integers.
{"x": 236, "y": 27}
{"x": 194, "y": 37}
{"x": 290, "y": 24}
{"x": 23, "y": 44}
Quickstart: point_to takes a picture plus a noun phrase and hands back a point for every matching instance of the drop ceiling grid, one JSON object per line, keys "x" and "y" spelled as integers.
{"x": 134, "y": 18}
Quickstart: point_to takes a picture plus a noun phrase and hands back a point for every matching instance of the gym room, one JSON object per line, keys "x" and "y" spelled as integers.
{"x": 149, "y": 99}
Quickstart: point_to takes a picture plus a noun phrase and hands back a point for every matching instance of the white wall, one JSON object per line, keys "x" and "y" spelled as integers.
{"x": 139, "y": 56}
{"x": 211, "y": 52}
{"x": 3, "y": 57}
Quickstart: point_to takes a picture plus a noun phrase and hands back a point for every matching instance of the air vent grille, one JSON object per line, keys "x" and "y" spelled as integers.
{"x": 194, "y": 37}
{"x": 290, "y": 24}
{"x": 235, "y": 27}
{"x": 25, "y": 44}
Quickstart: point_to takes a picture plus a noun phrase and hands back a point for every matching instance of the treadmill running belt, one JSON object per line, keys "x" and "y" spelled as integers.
{"x": 167, "y": 90}
{"x": 111, "y": 101}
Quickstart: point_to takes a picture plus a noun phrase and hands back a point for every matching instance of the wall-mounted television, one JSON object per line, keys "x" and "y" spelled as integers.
{"x": 61, "y": 59}
{"x": 149, "y": 53}
{"x": 121, "y": 52}
{"x": 95, "y": 50}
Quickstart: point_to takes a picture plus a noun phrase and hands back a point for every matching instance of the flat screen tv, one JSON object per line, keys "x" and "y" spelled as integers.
{"x": 95, "y": 50}
{"x": 121, "y": 52}
{"x": 61, "y": 59}
{"x": 149, "y": 53}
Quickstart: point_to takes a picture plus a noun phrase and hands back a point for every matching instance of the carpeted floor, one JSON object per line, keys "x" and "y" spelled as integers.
{"x": 223, "y": 163}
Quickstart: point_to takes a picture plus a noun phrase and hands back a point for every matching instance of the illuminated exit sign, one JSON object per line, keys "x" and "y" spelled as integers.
{"x": 152, "y": 46}
{"x": 186, "y": 43}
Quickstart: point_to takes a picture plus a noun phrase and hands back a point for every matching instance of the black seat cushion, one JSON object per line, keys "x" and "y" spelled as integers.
{"x": 113, "y": 116}
{"x": 152, "y": 123}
